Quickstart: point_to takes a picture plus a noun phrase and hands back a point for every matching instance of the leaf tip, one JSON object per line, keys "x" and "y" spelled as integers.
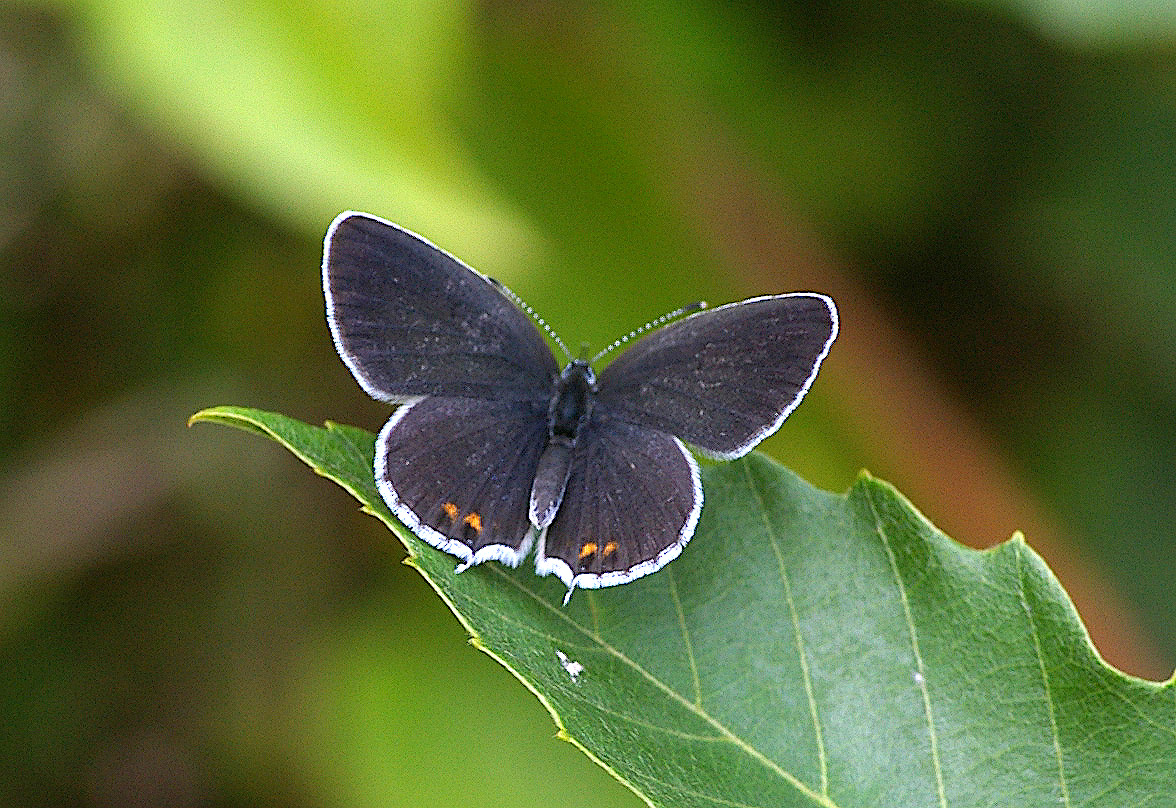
{"x": 202, "y": 415}
{"x": 411, "y": 562}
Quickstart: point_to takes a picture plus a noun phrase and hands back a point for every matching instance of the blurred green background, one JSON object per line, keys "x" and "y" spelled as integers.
{"x": 188, "y": 617}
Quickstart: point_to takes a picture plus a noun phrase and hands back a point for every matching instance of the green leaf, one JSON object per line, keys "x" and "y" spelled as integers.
{"x": 807, "y": 649}
{"x": 1102, "y": 24}
{"x": 275, "y": 98}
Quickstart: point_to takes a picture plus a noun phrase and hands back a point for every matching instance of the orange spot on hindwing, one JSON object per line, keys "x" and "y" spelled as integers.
{"x": 448, "y": 513}
{"x": 473, "y": 523}
{"x": 609, "y": 549}
{"x": 587, "y": 551}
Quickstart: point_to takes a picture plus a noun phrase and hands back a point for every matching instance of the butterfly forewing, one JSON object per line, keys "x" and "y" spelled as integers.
{"x": 411, "y": 320}
{"x": 722, "y": 380}
{"x": 458, "y": 473}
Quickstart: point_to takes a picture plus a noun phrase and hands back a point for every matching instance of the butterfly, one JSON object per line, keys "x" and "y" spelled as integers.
{"x": 495, "y": 447}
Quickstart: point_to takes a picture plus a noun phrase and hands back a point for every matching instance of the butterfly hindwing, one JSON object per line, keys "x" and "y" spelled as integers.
{"x": 458, "y": 473}
{"x": 632, "y": 501}
{"x": 723, "y": 379}
{"x": 411, "y": 320}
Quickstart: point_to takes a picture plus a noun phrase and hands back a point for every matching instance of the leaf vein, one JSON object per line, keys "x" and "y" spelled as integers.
{"x": 685, "y": 636}
{"x": 1049, "y": 702}
{"x": 620, "y": 656}
{"x": 699, "y": 795}
{"x": 641, "y": 722}
{"x": 922, "y": 677}
{"x": 801, "y": 652}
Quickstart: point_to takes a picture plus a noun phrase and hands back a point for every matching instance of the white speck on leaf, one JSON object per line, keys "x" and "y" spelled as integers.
{"x": 573, "y": 668}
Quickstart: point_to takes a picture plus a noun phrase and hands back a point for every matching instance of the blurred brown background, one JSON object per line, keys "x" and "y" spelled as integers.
{"x": 189, "y": 617}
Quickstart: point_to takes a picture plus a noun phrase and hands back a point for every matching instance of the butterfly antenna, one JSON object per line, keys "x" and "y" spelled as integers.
{"x": 518, "y": 301}
{"x": 636, "y": 332}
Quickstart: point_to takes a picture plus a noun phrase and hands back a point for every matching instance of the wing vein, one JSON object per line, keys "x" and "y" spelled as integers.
{"x": 455, "y": 437}
{"x": 502, "y": 358}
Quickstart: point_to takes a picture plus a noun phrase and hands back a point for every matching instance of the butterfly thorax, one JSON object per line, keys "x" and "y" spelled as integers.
{"x": 571, "y": 405}
{"x": 572, "y": 402}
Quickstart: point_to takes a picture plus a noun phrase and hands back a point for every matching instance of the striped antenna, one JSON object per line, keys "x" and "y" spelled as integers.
{"x": 518, "y": 301}
{"x": 636, "y": 332}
